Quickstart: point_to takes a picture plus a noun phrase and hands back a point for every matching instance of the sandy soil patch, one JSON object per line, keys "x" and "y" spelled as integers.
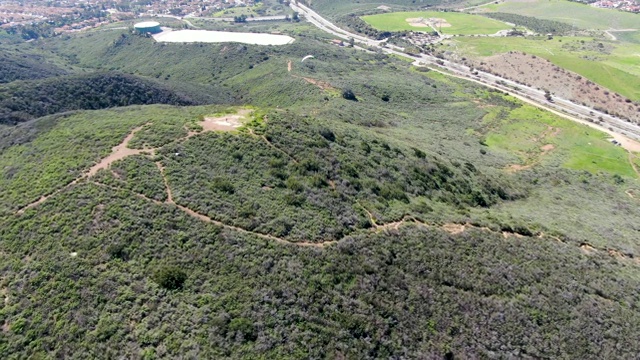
{"x": 439, "y": 22}
{"x": 587, "y": 249}
{"x": 417, "y": 22}
{"x": 549, "y": 147}
{"x": 225, "y": 123}
{"x": 454, "y": 229}
{"x": 206, "y": 36}
{"x": 430, "y": 22}
{"x": 319, "y": 83}
{"x": 516, "y": 167}
{"x": 384, "y": 7}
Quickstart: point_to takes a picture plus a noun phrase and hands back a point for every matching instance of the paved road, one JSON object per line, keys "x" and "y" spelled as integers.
{"x": 534, "y": 96}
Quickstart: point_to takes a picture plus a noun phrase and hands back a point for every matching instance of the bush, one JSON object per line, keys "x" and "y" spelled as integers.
{"x": 349, "y": 95}
{"x": 244, "y": 326}
{"x": 170, "y": 277}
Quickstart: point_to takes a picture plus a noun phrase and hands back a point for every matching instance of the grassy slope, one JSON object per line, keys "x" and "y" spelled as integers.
{"x": 615, "y": 71}
{"x": 580, "y": 15}
{"x": 632, "y": 37}
{"x": 461, "y": 24}
{"x": 336, "y": 8}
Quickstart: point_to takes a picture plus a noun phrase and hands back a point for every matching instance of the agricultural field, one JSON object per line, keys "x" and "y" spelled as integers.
{"x": 612, "y": 64}
{"x": 576, "y": 14}
{"x": 453, "y": 24}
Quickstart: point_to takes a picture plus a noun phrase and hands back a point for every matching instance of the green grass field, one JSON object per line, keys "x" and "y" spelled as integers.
{"x": 461, "y": 24}
{"x": 580, "y": 15}
{"x": 617, "y": 70}
{"x": 632, "y": 37}
{"x": 526, "y": 130}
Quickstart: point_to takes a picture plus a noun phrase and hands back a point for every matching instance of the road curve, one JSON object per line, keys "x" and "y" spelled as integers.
{"x": 610, "y": 124}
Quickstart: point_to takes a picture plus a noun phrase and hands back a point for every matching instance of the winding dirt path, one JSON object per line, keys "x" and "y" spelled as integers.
{"x": 121, "y": 151}
{"x": 270, "y": 144}
{"x": 118, "y": 152}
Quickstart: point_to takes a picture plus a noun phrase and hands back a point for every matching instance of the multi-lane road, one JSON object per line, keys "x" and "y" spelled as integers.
{"x": 610, "y": 124}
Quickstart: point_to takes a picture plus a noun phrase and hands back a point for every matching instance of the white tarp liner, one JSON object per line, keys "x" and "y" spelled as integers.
{"x": 206, "y": 36}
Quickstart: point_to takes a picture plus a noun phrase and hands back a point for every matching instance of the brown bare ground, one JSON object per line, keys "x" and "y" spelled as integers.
{"x": 540, "y": 73}
{"x": 547, "y": 148}
{"x": 118, "y": 152}
{"x": 587, "y": 249}
{"x": 417, "y": 22}
{"x": 225, "y": 123}
{"x": 323, "y": 85}
{"x": 516, "y": 167}
{"x": 430, "y": 22}
{"x": 454, "y": 229}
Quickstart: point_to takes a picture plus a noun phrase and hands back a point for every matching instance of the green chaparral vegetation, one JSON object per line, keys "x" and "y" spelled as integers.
{"x": 364, "y": 209}
{"x": 460, "y": 23}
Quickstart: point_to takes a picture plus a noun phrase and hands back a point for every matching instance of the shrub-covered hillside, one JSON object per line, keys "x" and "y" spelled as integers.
{"x": 28, "y": 100}
{"x": 25, "y": 67}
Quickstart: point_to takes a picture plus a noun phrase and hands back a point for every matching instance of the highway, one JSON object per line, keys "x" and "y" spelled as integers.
{"x": 576, "y": 112}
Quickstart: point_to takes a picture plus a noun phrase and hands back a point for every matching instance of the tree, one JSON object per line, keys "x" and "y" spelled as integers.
{"x": 244, "y": 326}
{"x": 295, "y": 17}
{"x": 170, "y": 277}
{"x": 349, "y": 95}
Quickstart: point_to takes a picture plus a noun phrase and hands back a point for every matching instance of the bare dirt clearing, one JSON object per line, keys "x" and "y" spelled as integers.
{"x": 428, "y": 22}
{"x": 417, "y": 22}
{"x": 225, "y": 123}
{"x": 454, "y": 229}
{"x": 319, "y": 83}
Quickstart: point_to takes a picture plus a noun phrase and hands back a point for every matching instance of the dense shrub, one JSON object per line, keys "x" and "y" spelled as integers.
{"x": 170, "y": 277}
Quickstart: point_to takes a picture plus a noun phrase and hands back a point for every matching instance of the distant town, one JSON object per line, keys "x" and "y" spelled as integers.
{"x": 623, "y": 5}
{"x": 43, "y": 18}
{"x": 59, "y": 16}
